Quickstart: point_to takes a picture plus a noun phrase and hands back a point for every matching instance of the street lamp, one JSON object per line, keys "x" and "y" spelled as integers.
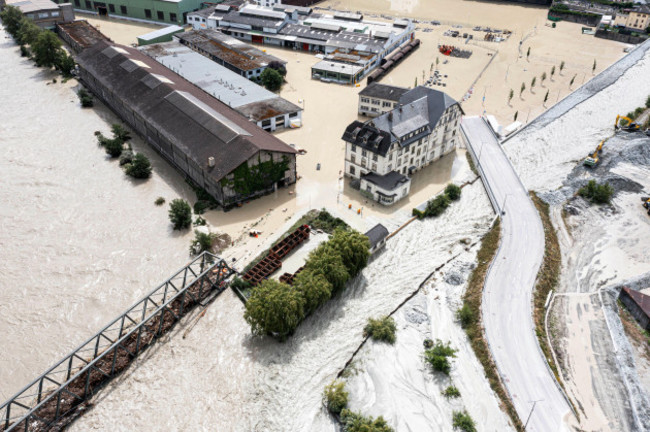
{"x": 531, "y": 411}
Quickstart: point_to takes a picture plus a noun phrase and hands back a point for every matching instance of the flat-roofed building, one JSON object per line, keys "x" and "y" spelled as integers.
{"x": 265, "y": 108}
{"x": 45, "y": 13}
{"x": 80, "y": 34}
{"x": 342, "y": 73}
{"x": 377, "y": 98}
{"x": 164, "y": 34}
{"x": 230, "y": 52}
{"x": 208, "y": 142}
{"x": 164, "y": 11}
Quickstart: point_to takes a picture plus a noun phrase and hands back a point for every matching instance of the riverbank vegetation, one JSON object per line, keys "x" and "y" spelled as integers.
{"x": 462, "y": 421}
{"x": 597, "y": 193}
{"x": 437, "y": 357}
{"x": 135, "y": 165}
{"x": 439, "y": 204}
{"x": 277, "y": 308}
{"x": 382, "y": 329}
{"x": 43, "y": 46}
{"x": 335, "y": 398}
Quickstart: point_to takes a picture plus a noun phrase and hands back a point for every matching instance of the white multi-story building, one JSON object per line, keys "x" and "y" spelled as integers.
{"x": 382, "y": 153}
{"x": 377, "y": 99}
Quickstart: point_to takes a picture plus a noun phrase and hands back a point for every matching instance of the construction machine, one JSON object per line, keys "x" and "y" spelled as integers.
{"x": 630, "y": 126}
{"x": 593, "y": 159}
{"x": 646, "y": 203}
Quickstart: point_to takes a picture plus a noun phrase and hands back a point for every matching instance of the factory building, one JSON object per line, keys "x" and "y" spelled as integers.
{"x": 45, "y": 13}
{"x": 164, "y": 11}
{"x": 219, "y": 150}
{"x": 265, "y": 108}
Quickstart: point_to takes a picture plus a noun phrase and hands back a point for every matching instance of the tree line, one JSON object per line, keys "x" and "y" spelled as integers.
{"x": 41, "y": 45}
{"x": 278, "y": 308}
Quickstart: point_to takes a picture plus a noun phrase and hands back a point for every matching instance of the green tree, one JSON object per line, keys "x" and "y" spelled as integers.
{"x": 140, "y": 167}
{"x": 353, "y": 247}
{"x": 416, "y": 82}
{"x": 382, "y": 329}
{"x": 271, "y": 79}
{"x": 326, "y": 260}
{"x": 461, "y": 420}
{"x": 279, "y": 67}
{"x": 314, "y": 288}
{"x": 597, "y": 193}
{"x": 453, "y": 191}
{"x": 532, "y": 83}
{"x": 465, "y": 316}
{"x": 335, "y": 396}
{"x": 521, "y": 90}
{"x": 572, "y": 80}
{"x": 46, "y": 49}
{"x": 516, "y": 115}
{"x": 120, "y": 132}
{"x": 436, "y": 206}
{"x": 510, "y": 95}
{"x": 65, "y": 63}
{"x": 11, "y": 17}
{"x": 357, "y": 422}
{"x": 546, "y": 96}
{"x": 85, "y": 98}
{"x": 27, "y": 32}
{"x": 552, "y": 72}
{"x": 528, "y": 53}
{"x": 202, "y": 242}
{"x": 543, "y": 78}
{"x": 593, "y": 67}
{"x": 274, "y": 307}
{"x": 647, "y": 102}
{"x": 180, "y": 214}
{"x": 451, "y": 392}
{"x": 561, "y": 67}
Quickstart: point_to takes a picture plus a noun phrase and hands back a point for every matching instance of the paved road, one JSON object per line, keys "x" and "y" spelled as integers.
{"x": 507, "y": 304}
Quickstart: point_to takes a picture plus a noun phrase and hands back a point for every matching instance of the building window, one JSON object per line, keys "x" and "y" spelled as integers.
{"x": 161, "y": 16}
{"x": 364, "y": 153}
{"x": 111, "y": 8}
{"x": 365, "y": 100}
{"x": 123, "y": 10}
{"x": 368, "y": 188}
{"x": 353, "y": 159}
{"x": 172, "y": 17}
{"x": 374, "y": 167}
{"x": 374, "y": 157}
{"x": 386, "y": 104}
{"x": 147, "y": 13}
{"x": 351, "y": 170}
{"x": 375, "y": 102}
{"x": 88, "y": 5}
{"x": 390, "y": 167}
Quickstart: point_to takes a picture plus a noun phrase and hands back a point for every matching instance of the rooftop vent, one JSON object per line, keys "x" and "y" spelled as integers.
{"x": 211, "y": 161}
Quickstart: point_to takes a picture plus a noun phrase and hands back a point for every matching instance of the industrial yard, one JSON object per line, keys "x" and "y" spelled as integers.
{"x": 101, "y": 243}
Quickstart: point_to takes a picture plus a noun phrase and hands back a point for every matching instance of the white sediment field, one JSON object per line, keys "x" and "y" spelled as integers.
{"x": 220, "y": 376}
{"x": 602, "y": 247}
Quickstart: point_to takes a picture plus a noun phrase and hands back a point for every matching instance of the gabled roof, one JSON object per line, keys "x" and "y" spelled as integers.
{"x": 376, "y": 234}
{"x": 198, "y": 124}
{"x": 437, "y": 101}
{"x": 368, "y": 137}
{"x": 388, "y": 182}
{"x": 642, "y": 300}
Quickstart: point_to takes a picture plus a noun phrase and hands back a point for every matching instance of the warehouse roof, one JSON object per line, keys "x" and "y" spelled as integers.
{"x": 246, "y": 97}
{"x": 345, "y": 68}
{"x": 232, "y": 51}
{"x": 82, "y": 32}
{"x": 161, "y": 32}
{"x": 198, "y": 124}
{"x": 29, "y": 6}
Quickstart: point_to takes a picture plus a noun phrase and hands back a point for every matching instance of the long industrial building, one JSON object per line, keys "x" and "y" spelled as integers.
{"x": 218, "y": 149}
{"x": 265, "y": 108}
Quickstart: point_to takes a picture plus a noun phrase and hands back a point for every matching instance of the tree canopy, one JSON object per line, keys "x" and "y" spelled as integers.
{"x": 11, "y": 17}
{"x": 327, "y": 260}
{"x": 314, "y": 288}
{"x": 271, "y": 79}
{"x": 354, "y": 249}
{"x": 46, "y": 49}
{"x": 180, "y": 214}
{"x": 274, "y": 307}
{"x": 140, "y": 167}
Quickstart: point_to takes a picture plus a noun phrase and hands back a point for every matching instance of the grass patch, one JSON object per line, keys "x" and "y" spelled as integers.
{"x": 462, "y": 421}
{"x": 634, "y": 331}
{"x": 451, "y": 392}
{"x": 472, "y": 301}
{"x": 471, "y": 164}
{"x": 382, "y": 329}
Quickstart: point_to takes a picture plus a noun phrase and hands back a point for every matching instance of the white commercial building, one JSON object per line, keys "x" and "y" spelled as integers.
{"x": 382, "y": 153}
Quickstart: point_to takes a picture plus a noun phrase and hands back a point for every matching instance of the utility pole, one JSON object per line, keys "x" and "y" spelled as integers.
{"x": 531, "y": 412}
{"x": 503, "y": 212}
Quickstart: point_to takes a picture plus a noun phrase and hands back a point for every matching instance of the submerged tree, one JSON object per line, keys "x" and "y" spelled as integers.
{"x": 271, "y": 79}
{"x": 46, "y": 49}
{"x": 180, "y": 214}
{"x": 274, "y": 307}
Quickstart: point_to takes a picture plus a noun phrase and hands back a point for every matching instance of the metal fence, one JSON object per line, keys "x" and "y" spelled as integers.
{"x": 52, "y": 398}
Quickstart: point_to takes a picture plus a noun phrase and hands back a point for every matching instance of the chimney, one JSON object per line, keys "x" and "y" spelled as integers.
{"x": 211, "y": 161}
{"x": 390, "y": 116}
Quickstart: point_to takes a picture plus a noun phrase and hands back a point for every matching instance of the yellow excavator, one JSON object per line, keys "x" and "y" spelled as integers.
{"x": 629, "y": 126}
{"x": 593, "y": 159}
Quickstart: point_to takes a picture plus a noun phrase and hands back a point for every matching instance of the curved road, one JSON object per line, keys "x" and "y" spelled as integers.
{"x": 507, "y": 294}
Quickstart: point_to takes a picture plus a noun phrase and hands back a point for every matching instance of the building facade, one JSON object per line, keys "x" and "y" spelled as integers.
{"x": 638, "y": 304}
{"x": 171, "y": 12}
{"x": 382, "y": 153}
{"x": 45, "y": 13}
{"x": 218, "y": 149}
{"x": 377, "y": 99}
